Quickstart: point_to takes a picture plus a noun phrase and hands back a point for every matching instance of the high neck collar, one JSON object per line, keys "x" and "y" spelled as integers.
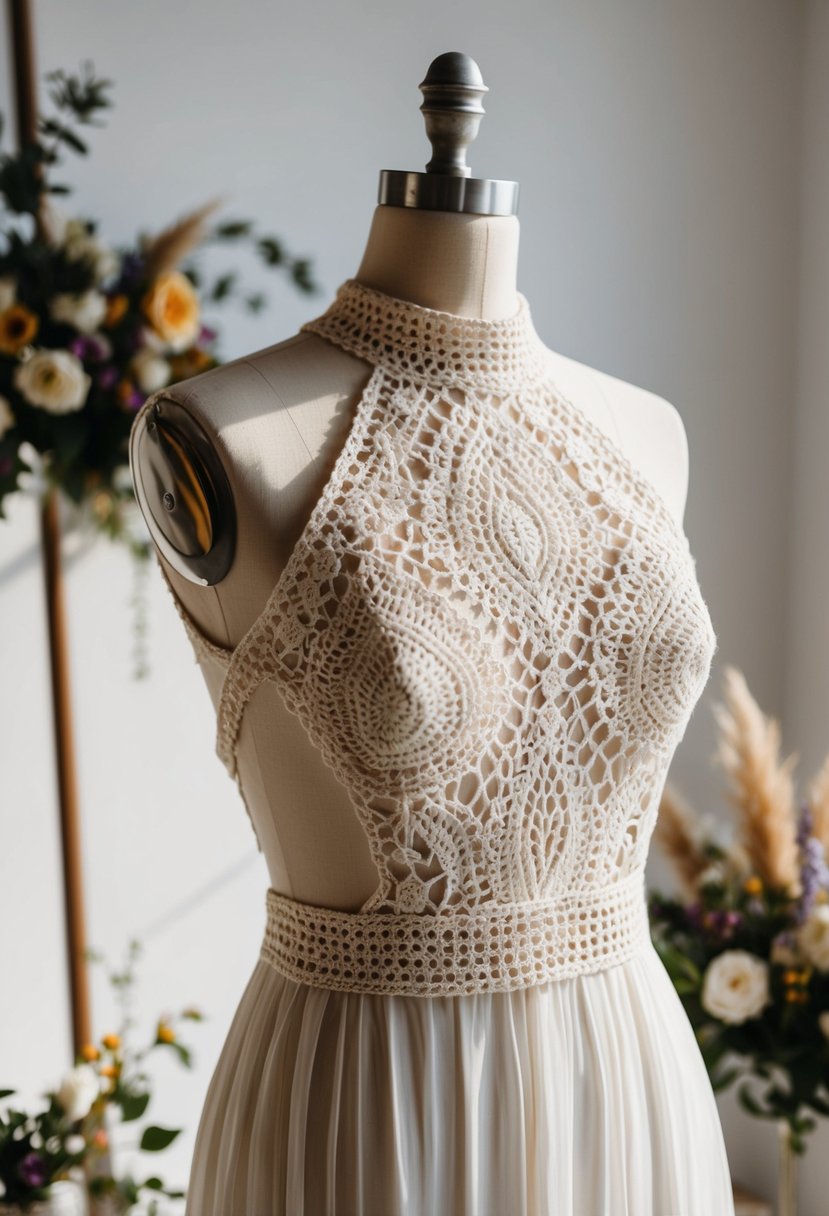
{"x": 429, "y": 345}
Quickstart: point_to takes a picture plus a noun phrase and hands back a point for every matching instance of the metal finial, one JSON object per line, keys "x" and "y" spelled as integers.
{"x": 452, "y": 90}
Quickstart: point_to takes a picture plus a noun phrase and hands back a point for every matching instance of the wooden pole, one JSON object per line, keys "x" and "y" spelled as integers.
{"x": 25, "y": 98}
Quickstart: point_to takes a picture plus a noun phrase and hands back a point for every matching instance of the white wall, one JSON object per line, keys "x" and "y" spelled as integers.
{"x": 657, "y": 143}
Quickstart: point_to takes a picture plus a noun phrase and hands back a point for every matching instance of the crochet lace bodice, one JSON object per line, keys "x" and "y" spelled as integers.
{"x": 491, "y": 628}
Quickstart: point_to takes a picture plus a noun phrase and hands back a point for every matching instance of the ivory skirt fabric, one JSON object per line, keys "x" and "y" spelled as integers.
{"x": 581, "y": 1097}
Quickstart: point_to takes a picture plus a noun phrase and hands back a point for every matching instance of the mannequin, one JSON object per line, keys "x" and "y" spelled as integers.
{"x": 436, "y": 579}
{"x": 276, "y": 420}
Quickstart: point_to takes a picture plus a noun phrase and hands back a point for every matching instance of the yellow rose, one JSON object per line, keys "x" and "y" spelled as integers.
{"x": 166, "y": 1034}
{"x": 172, "y": 308}
{"x": 18, "y": 327}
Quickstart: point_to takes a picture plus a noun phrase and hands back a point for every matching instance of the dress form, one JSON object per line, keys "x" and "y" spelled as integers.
{"x": 277, "y": 420}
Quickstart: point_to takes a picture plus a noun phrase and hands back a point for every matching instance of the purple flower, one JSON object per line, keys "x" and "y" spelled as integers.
{"x": 90, "y": 348}
{"x": 132, "y": 268}
{"x": 206, "y": 334}
{"x": 107, "y": 376}
{"x": 814, "y": 872}
{"x": 32, "y": 1169}
{"x": 693, "y": 914}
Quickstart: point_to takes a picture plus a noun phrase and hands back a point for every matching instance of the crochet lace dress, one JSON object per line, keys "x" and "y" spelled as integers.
{"x": 492, "y": 630}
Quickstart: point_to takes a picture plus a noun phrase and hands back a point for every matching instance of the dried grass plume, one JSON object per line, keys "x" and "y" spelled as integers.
{"x": 677, "y": 836}
{"x": 762, "y": 787}
{"x": 168, "y": 248}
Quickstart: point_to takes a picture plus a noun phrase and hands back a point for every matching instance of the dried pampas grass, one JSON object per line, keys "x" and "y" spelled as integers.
{"x": 762, "y": 787}
{"x": 677, "y": 836}
{"x": 168, "y": 248}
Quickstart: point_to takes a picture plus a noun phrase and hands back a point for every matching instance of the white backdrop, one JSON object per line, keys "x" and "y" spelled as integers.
{"x": 674, "y": 195}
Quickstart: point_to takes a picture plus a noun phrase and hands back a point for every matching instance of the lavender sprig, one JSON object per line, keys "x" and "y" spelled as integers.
{"x": 814, "y": 872}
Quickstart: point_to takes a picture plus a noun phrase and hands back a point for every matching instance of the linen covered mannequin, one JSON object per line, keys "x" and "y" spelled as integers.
{"x": 277, "y": 419}
{"x": 437, "y": 581}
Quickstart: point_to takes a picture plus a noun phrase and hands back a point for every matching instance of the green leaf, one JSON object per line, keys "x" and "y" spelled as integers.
{"x": 222, "y": 286}
{"x": 750, "y": 1103}
{"x": 155, "y": 1139}
{"x": 133, "y": 1106}
{"x": 5, "y": 1093}
{"x": 57, "y": 130}
{"x": 271, "y": 250}
{"x": 231, "y": 229}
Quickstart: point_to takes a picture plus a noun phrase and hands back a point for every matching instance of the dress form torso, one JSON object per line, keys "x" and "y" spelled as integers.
{"x": 278, "y": 419}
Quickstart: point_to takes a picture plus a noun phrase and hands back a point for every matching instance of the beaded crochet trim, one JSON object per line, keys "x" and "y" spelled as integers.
{"x": 492, "y": 630}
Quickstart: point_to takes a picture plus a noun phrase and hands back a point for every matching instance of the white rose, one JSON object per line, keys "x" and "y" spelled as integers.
{"x": 151, "y": 371}
{"x": 149, "y": 338}
{"x": 712, "y": 874}
{"x": 813, "y": 937}
{"x": 80, "y": 245}
{"x": 54, "y": 380}
{"x": 8, "y": 291}
{"x": 735, "y": 986}
{"x": 78, "y": 1091}
{"x": 7, "y": 418}
{"x": 74, "y": 1144}
{"x": 85, "y": 311}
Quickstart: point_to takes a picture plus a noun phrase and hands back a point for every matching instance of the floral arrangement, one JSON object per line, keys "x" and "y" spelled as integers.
{"x": 747, "y": 942}
{"x": 71, "y": 1137}
{"x": 87, "y": 331}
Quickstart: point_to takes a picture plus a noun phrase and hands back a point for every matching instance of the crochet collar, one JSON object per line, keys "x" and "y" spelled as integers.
{"x": 426, "y": 344}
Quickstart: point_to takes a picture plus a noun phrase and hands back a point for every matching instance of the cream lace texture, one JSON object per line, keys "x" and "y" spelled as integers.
{"x": 492, "y": 630}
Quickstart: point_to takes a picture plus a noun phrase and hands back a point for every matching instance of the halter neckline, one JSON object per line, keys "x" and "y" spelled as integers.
{"x": 430, "y": 345}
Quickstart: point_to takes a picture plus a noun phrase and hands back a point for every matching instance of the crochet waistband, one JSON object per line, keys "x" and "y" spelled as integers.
{"x": 496, "y": 948}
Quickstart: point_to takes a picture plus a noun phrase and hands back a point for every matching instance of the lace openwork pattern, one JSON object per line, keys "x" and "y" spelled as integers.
{"x": 492, "y": 630}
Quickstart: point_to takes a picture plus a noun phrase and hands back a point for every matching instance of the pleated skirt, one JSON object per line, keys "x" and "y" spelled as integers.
{"x": 581, "y": 1097}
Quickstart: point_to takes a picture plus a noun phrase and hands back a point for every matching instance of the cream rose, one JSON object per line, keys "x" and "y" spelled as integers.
{"x": 81, "y": 245}
{"x": 85, "y": 311}
{"x": 7, "y": 418}
{"x": 813, "y": 937}
{"x": 8, "y": 291}
{"x": 54, "y": 380}
{"x": 78, "y": 1091}
{"x": 712, "y": 874}
{"x": 735, "y": 986}
{"x": 151, "y": 371}
{"x": 172, "y": 308}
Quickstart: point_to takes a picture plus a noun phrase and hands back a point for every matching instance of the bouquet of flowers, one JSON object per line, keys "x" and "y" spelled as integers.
{"x": 747, "y": 943}
{"x": 70, "y": 1137}
{"x": 87, "y": 331}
